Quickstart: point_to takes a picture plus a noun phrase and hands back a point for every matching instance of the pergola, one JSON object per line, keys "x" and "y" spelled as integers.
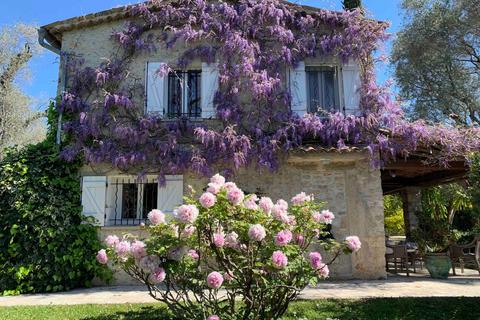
{"x": 408, "y": 177}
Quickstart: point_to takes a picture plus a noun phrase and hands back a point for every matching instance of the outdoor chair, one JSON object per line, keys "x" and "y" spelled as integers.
{"x": 399, "y": 254}
{"x": 466, "y": 254}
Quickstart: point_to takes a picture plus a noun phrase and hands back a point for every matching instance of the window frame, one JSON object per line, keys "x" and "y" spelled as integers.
{"x": 185, "y": 76}
{"x": 113, "y": 198}
{"x": 338, "y": 89}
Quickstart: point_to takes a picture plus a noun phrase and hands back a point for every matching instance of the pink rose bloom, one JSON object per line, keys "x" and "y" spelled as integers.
{"x": 228, "y": 276}
{"x": 251, "y": 202}
{"x": 291, "y": 220}
{"x": 257, "y": 232}
{"x": 323, "y": 271}
{"x": 219, "y": 239}
{"x": 279, "y": 260}
{"x": 218, "y": 179}
{"x": 156, "y": 217}
{"x": 214, "y": 280}
{"x": 207, "y": 199}
{"x": 282, "y": 203}
{"x": 122, "y": 248}
{"x": 299, "y": 239}
{"x": 138, "y": 249}
{"x": 283, "y": 238}
{"x": 188, "y": 231}
{"x": 213, "y": 317}
{"x": 279, "y": 212}
{"x": 301, "y": 198}
{"x": 266, "y": 204}
{"x": 353, "y": 243}
{"x": 214, "y": 188}
{"x": 193, "y": 254}
{"x": 235, "y": 196}
{"x": 231, "y": 240}
{"x": 326, "y": 216}
{"x": 102, "y": 256}
{"x": 186, "y": 213}
{"x": 111, "y": 241}
{"x": 315, "y": 260}
{"x": 158, "y": 275}
{"x": 230, "y": 185}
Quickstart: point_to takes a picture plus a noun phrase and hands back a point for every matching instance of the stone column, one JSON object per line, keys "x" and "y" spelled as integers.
{"x": 412, "y": 205}
{"x": 365, "y": 218}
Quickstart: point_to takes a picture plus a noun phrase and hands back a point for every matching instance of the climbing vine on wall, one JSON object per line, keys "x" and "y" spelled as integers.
{"x": 253, "y": 42}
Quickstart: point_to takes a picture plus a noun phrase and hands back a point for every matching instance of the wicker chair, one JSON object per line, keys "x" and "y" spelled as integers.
{"x": 466, "y": 254}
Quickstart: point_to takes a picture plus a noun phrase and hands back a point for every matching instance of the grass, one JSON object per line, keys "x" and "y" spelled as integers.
{"x": 391, "y": 309}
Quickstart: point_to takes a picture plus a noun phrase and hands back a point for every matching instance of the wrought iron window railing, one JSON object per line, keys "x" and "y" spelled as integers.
{"x": 184, "y": 94}
{"x": 130, "y": 200}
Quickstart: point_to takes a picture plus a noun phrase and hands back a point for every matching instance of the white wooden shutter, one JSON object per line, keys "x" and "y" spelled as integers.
{"x": 94, "y": 190}
{"x": 155, "y": 89}
{"x": 298, "y": 89}
{"x": 209, "y": 87}
{"x": 170, "y": 196}
{"x": 351, "y": 87}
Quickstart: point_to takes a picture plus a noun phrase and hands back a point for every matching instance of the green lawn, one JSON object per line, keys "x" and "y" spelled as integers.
{"x": 404, "y": 308}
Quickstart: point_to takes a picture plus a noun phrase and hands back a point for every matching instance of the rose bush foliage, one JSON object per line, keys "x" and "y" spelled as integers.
{"x": 230, "y": 255}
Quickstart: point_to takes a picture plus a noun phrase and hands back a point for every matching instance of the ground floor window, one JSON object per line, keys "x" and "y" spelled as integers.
{"x": 129, "y": 200}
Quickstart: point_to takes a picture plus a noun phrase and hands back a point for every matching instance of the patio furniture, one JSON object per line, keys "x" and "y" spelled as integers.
{"x": 466, "y": 254}
{"x": 399, "y": 254}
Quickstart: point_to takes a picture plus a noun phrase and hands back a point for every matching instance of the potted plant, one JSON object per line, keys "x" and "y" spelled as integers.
{"x": 434, "y": 233}
{"x": 433, "y": 242}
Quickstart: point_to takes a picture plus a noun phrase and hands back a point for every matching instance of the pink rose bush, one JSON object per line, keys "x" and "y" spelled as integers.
{"x": 224, "y": 240}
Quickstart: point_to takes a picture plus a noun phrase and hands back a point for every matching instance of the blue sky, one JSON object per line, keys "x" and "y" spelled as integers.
{"x": 42, "y": 86}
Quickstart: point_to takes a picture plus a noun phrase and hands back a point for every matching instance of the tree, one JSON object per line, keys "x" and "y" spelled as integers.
{"x": 394, "y": 221}
{"x": 19, "y": 124}
{"x": 351, "y": 4}
{"x": 437, "y": 60}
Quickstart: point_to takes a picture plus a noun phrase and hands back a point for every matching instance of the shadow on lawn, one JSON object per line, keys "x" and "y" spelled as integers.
{"x": 368, "y": 309}
{"x": 144, "y": 313}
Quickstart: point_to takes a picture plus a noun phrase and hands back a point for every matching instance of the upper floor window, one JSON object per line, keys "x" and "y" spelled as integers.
{"x": 322, "y": 89}
{"x": 187, "y": 93}
{"x": 184, "y": 94}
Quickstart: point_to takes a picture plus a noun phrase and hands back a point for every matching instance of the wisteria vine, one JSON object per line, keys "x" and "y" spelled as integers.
{"x": 253, "y": 41}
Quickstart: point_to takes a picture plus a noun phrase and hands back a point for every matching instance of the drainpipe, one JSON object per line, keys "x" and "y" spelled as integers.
{"x": 46, "y": 40}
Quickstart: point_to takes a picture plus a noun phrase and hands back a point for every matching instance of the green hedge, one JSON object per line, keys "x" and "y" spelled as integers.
{"x": 45, "y": 246}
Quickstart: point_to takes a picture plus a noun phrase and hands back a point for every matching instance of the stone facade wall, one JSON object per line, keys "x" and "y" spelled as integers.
{"x": 94, "y": 45}
{"x": 346, "y": 182}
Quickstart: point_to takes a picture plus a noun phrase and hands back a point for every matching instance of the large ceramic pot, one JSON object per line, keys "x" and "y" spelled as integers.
{"x": 438, "y": 265}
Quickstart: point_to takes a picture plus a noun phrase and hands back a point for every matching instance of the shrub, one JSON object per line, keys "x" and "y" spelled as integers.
{"x": 394, "y": 221}
{"x": 43, "y": 244}
{"x": 226, "y": 247}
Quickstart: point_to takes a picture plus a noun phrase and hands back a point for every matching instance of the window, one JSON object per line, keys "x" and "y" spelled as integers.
{"x": 184, "y": 94}
{"x": 129, "y": 200}
{"x": 322, "y": 89}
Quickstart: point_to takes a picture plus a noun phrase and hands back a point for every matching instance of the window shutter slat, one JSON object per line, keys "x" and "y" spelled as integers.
{"x": 298, "y": 89}
{"x": 94, "y": 190}
{"x": 170, "y": 196}
{"x": 209, "y": 86}
{"x": 351, "y": 87}
{"x": 155, "y": 89}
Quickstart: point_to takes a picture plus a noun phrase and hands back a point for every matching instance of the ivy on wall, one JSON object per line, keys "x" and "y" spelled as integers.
{"x": 44, "y": 246}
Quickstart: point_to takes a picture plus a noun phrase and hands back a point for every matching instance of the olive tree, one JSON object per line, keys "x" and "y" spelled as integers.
{"x": 437, "y": 60}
